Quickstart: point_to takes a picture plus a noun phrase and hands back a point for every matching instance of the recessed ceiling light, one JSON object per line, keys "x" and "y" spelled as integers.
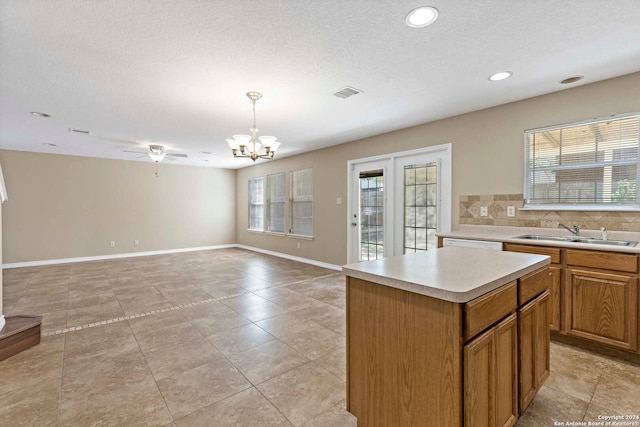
{"x": 571, "y": 80}
{"x": 422, "y": 16}
{"x": 38, "y": 114}
{"x": 500, "y": 76}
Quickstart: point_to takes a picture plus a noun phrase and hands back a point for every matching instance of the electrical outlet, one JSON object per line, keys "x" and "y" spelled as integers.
{"x": 511, "y": 211}
{"x": 299, "y": 245}
{"x": 484, "y": 211}
{"x": 136, "y": 242}
{"x": 338, "y": 200}
{"x": 112, "y": 244}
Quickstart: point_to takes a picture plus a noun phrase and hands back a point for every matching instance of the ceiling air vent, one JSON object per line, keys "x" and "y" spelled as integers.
{"x": 346, "y": 92}
{"x": 86, "y": 132}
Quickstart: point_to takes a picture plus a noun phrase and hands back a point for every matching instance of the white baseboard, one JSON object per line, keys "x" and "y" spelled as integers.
{"x": 169, "y": 251}
{"x": 292, "y": 257}
{"x": 107, "y": 257}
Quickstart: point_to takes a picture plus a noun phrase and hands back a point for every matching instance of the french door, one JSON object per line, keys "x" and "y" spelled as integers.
{"x": 398, "y": 202}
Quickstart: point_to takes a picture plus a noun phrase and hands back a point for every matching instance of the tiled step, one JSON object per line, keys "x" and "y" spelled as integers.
{"x": 18, "y": 334}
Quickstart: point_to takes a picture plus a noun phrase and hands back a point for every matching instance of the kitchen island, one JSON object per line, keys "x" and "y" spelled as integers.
{"x": 453, "y": 336}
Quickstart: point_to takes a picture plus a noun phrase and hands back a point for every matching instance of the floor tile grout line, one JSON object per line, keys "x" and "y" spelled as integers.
{"x": 174, "y": 307}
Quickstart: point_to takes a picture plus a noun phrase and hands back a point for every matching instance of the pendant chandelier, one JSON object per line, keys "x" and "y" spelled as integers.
{"x": 247, "y": 145}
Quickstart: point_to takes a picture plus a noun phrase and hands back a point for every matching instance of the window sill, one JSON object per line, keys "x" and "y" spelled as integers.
{"x": 300, "y": 236}
{"x": 249, "y": 230}
{"x": 589, "y": 208}
{"x": 274, "y": 233}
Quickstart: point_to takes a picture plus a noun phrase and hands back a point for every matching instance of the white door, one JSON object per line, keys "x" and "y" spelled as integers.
{"x": 398, "y": 202}
{"x": 368, "y": 204}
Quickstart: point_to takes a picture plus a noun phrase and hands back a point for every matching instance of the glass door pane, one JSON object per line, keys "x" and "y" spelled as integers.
{"x": 371, "y": 191}
{"x": 420, "y": 207}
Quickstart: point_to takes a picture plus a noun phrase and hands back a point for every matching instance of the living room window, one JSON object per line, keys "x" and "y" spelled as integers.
{"x": 301, "y": 203}
{"x": 276, "y": 199}
{"x": 256, "y": 204}
{"x": 588, "y": 165}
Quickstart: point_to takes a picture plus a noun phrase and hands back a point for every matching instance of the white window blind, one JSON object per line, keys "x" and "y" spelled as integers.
{"x": 590, "y": 163}
{"x": 256, "y": 204}
{"x": 276, "y": 198}
{"x": 302, "y": 202}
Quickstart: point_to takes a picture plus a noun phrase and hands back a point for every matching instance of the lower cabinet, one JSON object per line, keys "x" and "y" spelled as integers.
{"x": 533, "y": 348}
{"x": 490, "y": 376}
{"x": 602, "y": 307}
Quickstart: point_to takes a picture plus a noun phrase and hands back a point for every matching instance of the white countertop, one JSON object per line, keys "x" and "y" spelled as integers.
{"x": 508, "y": 234}
{"x": 452, "y": 274}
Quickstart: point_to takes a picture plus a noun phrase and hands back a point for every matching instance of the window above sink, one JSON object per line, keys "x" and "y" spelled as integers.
{"x": 588, "y": 165}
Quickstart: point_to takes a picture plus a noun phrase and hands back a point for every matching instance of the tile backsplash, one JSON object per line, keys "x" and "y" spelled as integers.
{"x": 470, "y": 207}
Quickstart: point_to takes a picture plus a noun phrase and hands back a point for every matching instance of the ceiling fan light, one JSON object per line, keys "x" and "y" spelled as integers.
{"x": 268, "y": 141}
{"x": 156, "y": 157}
{"x": 257, "y": 147}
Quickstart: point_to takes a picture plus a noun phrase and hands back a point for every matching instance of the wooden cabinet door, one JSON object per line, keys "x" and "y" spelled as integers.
{"x": 533, "y": 346}
{"x": 506, "y": 337}
{"x": 490, "y": 367}
{"x": 603, "y": 307}
{"x": 554, "y": 297}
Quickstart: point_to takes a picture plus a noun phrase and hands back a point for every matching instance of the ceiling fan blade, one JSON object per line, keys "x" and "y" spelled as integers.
{"x": 177, "y": 155}
{"x": 137, "y": 152}
{"x": 139, "y": 157}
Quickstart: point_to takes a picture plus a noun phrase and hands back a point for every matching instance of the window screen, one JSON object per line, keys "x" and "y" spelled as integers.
{"x": 256, "y": 204}
{"x": 580, "y": 164}
{"x": 302, "y": 202}
{"x": 276, "y": 196}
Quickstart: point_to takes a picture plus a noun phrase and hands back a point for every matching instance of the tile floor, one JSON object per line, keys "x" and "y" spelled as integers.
{"x": 221, "y": 338}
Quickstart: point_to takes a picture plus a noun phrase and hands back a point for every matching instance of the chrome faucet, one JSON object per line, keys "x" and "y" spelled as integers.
{"x": 574, "y": 230}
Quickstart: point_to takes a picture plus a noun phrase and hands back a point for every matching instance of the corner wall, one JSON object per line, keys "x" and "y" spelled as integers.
{"x": 70, "y": 206}
{"x": 488, "y": 158}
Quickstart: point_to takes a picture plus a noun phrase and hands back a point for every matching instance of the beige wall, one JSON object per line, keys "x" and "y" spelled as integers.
{"x": 69, "y": 206}
{"x": 487, "y": 158}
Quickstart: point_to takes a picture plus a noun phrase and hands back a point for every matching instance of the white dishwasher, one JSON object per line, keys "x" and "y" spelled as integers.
{"x": 466, "y": 243}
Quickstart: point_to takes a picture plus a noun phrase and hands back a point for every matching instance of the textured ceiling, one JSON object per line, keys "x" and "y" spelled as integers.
{"x": 175, "y": 73}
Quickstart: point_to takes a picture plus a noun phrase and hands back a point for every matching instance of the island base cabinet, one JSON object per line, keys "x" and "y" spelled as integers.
{"x": 404, "y": 357}
{"x": 490, "y": 377}
{"x": 533, "y": 339}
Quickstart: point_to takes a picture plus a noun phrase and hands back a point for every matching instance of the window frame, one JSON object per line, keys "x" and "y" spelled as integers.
{"x": 251, "y": 204}
{"x": 584, "y": 166}
{"x": 269, "y": 203}
{"x": 293, "y": 203}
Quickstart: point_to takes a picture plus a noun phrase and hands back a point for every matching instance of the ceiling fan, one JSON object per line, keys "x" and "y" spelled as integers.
{"x": 157, "y": 153}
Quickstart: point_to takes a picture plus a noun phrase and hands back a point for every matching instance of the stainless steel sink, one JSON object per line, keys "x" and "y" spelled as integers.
{"x": 577, "y": 239}
{"x": 549, "y": 238}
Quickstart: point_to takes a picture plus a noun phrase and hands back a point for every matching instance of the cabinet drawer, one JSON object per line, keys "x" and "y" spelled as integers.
{"x": 604, "y": 260}
{"x": 486, "y": 310}
{"x": 554, "y": 253}
{"x": 532, "y": 285}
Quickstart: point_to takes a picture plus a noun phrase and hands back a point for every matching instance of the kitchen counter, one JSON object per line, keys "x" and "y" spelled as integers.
{"x": 508, "y": 234}
{"x": 451, "y": 274}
